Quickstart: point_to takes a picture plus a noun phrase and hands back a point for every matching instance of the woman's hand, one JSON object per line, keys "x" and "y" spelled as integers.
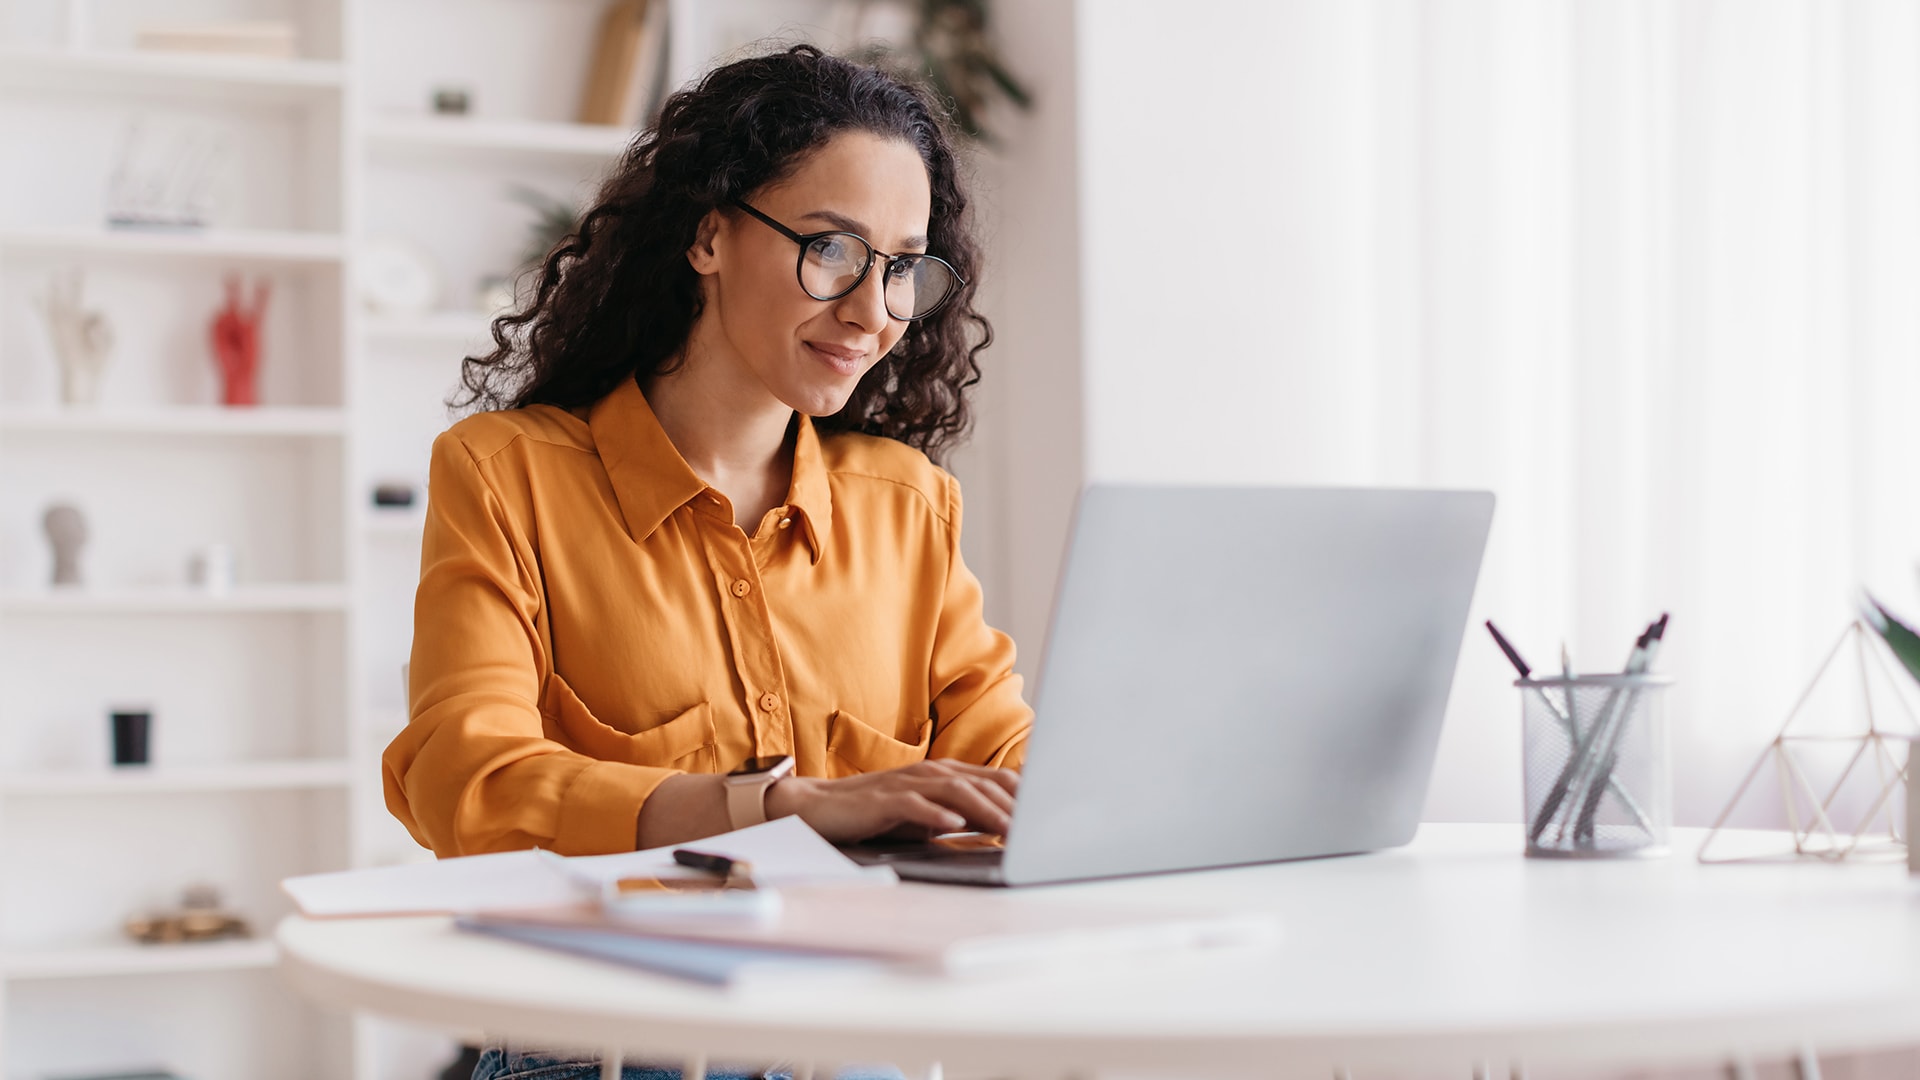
{"x": 936, "y": 795}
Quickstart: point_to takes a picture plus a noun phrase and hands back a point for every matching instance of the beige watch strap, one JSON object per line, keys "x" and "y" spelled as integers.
{"x": 747, "y": 798}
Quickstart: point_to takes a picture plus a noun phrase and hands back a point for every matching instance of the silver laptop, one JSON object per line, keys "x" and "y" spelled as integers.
{"x": 1234, "y": 675}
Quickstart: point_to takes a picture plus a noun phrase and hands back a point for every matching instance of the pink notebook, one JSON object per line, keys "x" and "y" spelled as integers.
{"x": 929, "y": 928}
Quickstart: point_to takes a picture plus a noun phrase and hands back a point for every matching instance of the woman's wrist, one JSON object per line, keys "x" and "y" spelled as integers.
{"x": 789, "y": 795}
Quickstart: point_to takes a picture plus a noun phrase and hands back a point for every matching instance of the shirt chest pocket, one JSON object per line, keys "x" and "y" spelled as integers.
{"x": 686, "y": 741}
{"x": 854, "y": 748}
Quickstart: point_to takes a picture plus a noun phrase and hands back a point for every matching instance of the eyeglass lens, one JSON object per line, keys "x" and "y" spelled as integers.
{"x": 834, "y": 264}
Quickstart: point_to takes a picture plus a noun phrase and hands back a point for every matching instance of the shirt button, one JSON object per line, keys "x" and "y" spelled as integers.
{"x": 742, "y": 587}
{"x": 770, "y": 701}
{"x": 785, "y": 522}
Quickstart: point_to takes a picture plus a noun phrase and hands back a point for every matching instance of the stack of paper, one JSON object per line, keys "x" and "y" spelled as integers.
{"x": 785, "y": 851}
{"x": 828, "y": 918}
{"x": 927, "y": 929}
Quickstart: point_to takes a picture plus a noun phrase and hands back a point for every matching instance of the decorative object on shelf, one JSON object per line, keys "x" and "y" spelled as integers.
{"x": 1810, "y": 812}
{"x": 553, "y": 221}
{"x": 235, "y": 335}
{"x": 393, "y": 494}
{"x": 66, "y": 530}
{"x": 626, "y": 65}
{"x": 396, "y": 279}
{"x": 132, "y": 736}
{"x": 199, "y": 918}
{"x": 210, "y": 569}
{"x": 82, "y": 339}
{"x": 272, "y": 38}
{"x": 952, "y": 50}
{"x": 166, "y": 175}
{"x": 452, "y": 100}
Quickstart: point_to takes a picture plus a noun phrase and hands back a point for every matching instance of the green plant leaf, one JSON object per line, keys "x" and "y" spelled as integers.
{"x": 1900, "y": 638}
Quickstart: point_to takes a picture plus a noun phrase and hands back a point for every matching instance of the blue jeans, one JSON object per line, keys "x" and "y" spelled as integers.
{"x": 499, "y": 1064}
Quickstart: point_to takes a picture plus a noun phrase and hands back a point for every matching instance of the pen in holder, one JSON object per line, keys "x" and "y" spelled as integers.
{"x": 1599, "y": 780}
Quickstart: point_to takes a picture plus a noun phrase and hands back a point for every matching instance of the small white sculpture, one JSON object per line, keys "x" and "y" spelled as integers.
{"x": 81, "y": 339}
{"x": 67, "y": 531}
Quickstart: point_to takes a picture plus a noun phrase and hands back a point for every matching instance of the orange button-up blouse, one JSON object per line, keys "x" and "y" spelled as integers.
{"x": 590, "y": 621}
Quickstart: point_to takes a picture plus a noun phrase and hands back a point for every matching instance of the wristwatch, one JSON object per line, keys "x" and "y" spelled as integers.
{"x": 747, "y": 788}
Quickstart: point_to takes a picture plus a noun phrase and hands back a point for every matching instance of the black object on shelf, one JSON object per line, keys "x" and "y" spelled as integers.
{"x": 393, "y": 495}
{"x": 451, "y": 101}
{"x": 132, "y": 732}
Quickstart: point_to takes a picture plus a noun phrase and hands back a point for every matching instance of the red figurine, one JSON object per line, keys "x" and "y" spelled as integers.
{"x": 236, "y": 343}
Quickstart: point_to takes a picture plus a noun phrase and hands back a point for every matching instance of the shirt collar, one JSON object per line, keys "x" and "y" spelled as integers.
{"x": 651, "y": 480}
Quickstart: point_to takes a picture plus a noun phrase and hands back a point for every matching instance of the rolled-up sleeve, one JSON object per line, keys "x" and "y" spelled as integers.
{"x": 474, "y": 770}
{"x": 979, "y": 713}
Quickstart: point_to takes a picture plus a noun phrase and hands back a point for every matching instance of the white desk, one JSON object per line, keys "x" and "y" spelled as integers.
{"x": 1453, "y": 951}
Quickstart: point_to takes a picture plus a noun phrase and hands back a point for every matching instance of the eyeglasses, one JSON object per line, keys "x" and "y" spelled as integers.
{"x": 833, "y": 264}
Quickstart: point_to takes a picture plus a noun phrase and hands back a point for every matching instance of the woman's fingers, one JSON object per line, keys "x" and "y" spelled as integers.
{"x": 914, "y": 808}
{"x": 967, "y": 795}
{"x": 1006, "y": 779}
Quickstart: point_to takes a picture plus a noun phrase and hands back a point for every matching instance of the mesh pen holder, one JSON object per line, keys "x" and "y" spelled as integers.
{"x": 1599, "y": 778}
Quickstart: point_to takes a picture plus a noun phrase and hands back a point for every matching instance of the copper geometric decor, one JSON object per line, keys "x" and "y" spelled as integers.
{"x": 1823, "y": 826}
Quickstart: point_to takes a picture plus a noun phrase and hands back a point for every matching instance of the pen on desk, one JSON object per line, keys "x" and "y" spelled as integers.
{"x": 1609, "y": 751}
{"x": 1595, "y": 760}
{"x": 737, "y": 872}
{"x": 1581, "y": 770}
{"x": 1506, "y": 646}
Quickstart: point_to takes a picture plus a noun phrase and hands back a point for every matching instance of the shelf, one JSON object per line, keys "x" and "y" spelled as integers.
{"x": 265, "y": 421}
{"x": 266, "y": 246}
{"x": 464, "y": 139}
{"x": 246, "y": 599}
{"x": 135, "y": 959}
{"x": 242, "y": 80}
{"x": 183, "y": 779}
{"x": 455, "y": 328}
{"x": 401, "y": 523}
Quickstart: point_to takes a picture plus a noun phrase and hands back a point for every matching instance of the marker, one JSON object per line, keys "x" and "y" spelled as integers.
{"x": 1607, "y": 745}
{"x": 738, "y": 873}
{"x": 1507, "y": 647}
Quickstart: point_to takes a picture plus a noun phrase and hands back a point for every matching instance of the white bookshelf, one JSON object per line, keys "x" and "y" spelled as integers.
{"x": 453, "y": 329}
{"x": 259, "y": 756}
{"x": 119, "y": 960}
{"x": 458, "y": 141}
{"x": 399, "y": 523}
{"x": 252, "y": 247}
{"x": 57, "y": 69}
{"x": 205, "y": 420}
{"x": 273, "y": 700}
{"x": 183, "y": 779}
{"x": 244, "y": 599}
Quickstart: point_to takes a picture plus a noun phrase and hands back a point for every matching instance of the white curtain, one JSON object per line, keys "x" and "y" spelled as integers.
{"x": 1651, "y": 270}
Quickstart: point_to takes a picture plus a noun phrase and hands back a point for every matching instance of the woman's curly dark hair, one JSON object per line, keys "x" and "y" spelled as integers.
{"x": 616, "y": 299}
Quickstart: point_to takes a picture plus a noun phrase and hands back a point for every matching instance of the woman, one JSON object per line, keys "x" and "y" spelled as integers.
{"x": 696, "y": 529}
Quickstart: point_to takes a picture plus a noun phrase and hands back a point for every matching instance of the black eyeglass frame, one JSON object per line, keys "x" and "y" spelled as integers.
{"x": 805, "y": 240}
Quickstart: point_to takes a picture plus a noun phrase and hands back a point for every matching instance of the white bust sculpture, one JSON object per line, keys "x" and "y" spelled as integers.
{"x": 81, "y": 339}
{"x": 67, "y": 531}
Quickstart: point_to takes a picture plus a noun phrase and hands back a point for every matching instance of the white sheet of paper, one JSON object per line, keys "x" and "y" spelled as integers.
{"x": 785, "y": 851}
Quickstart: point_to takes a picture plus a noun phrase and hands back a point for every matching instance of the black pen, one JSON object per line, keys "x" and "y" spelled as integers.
{"x": 731, "y": 869}
{"x": 1507, "y": 647}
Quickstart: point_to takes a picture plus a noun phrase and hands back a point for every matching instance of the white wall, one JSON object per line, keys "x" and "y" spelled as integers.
{"x": 1224, "y": 162}
{"x": 1025, "y": 464}
{"x": 1628, "y": 263}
